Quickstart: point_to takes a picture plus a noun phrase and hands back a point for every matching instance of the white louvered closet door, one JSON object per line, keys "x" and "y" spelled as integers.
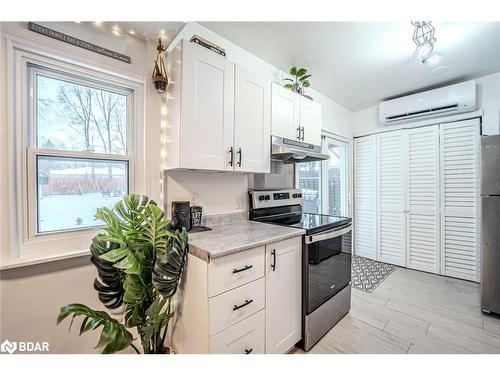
{"x": 460, "y": 197}
{"x": 423, "y": 199}
{"x": 365, "y": 244}
{"x": 391, "y": 196}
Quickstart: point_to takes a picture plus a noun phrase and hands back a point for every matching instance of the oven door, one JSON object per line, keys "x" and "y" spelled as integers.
{"x": 327, "y": 265}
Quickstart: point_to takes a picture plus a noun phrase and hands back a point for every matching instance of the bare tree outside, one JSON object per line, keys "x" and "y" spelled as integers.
{"x": 77, "y": 103}
{"x": 81, "y": 118}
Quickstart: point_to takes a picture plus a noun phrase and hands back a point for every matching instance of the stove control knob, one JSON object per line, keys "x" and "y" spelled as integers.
{"x": 267, "y": 197}
{"x": 261, "y": 197}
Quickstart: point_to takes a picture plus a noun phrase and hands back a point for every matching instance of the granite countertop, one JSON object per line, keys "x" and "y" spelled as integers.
{"x": 225, "y": 239}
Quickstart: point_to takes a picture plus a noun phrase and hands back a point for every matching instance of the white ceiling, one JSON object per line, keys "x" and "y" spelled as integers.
{"x": 358, "y": 64}
{"x": 148, "y": 30}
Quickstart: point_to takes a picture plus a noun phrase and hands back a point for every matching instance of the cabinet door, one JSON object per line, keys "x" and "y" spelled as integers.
{"x": 285, "y": 113}
{"x": 365, "y": 244}
{"x": 460, "y": 198}
{"x": 252, "y": 122}
{"x": 283, "y": 295}
{"x": 207, "y": 107}
{"x": 423, "y": 199}
{"x": 391, "y": 197}
{"x": 310, "y": 121}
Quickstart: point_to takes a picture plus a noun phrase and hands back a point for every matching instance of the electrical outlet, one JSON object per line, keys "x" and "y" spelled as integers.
{"x": 239, "y": 201}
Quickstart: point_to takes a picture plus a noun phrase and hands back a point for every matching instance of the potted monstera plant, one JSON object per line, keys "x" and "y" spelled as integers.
{"x": 139, "y": 263}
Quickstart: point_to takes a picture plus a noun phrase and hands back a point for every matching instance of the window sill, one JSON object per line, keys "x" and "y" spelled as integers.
{"x": 32, "y": 261}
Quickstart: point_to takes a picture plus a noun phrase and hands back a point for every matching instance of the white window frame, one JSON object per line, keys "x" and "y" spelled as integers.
{"x": 328, "y": 138}
{"x": 27, "y": 246}
{"x": 34, "y": 151}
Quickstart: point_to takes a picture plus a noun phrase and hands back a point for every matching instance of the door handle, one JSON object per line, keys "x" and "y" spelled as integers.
{"x": 242, "y": 269}
{"x": 231, "y": 158}
{"x": 273, "y": 265}
{"x": 247, "y": 302}
{"x": 303, "y": 131}
{"x": 239, "y": 158}
{"x": 298, "y": 129}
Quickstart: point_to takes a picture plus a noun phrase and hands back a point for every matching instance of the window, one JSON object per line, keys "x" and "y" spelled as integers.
{"x": 79, "y": 154}
{"x": 324, "y": 183}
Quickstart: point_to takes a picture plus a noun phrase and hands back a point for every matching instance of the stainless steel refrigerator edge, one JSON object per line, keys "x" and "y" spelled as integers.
{"x": 490, "y": 204}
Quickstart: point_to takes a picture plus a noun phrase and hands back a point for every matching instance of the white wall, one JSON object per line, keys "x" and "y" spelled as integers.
{"x": 489, "y": 99}
{"x": 224, "y": 193}
{"x": 30, "y": 297}
{"x": 488, "y": 95}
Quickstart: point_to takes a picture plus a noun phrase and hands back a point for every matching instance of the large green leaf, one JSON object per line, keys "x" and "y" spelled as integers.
{"x": 170, "y": 264}
{"x": 293, "y": 70}
{"x": 114, "y": 336}
{"x": 109, "y": 284}
{"x": 301, "y": 72}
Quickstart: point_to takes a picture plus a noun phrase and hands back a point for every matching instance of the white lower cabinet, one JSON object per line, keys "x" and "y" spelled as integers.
{"x": 246, "y": 337}
{"x": 283, "y": 295}
{"x": 244, "y": 303}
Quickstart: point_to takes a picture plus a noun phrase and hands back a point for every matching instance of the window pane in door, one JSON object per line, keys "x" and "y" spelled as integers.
{"x": 337, "y": 179}
{"x": 74, "y": 117}
{"x": 70, "y": 190}
{"x": 309, "y": 178}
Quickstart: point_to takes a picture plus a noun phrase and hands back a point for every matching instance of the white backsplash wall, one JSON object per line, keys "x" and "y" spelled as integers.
{"x": 217, "y": 193}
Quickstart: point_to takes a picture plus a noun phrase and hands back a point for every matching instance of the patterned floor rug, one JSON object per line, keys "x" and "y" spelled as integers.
{"x": 367, "y": 274}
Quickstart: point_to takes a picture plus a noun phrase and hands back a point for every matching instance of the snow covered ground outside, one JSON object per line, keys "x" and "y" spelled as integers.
{"x": 59, "y": 212}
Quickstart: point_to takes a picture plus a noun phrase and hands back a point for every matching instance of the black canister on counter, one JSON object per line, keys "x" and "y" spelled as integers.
{"x": 181, "y": 217}
{"x": 196, "y": 212}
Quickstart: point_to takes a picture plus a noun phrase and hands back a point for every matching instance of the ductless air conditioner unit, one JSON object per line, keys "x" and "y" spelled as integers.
{"x": 444, "y": 101}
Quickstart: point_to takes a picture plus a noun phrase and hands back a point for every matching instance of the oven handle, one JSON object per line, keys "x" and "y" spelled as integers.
{"x": 327, "y": 235}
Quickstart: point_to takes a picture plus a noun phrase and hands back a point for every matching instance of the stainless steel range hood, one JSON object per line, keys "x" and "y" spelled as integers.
{"x": 289, "y": 151}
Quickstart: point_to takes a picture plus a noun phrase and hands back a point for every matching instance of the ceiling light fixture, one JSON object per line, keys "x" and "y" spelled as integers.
{"x": 424, "y": 38}
{"x": 434, "y": 59}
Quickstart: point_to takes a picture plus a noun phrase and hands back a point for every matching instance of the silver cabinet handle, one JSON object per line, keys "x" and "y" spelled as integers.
{"x": 239, "y": 158}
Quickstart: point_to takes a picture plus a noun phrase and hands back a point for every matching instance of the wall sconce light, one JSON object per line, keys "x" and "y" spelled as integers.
{"x": 159, "y": 77}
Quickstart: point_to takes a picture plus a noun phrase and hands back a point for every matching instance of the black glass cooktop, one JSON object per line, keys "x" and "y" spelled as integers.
{"x": 311, "y": 223}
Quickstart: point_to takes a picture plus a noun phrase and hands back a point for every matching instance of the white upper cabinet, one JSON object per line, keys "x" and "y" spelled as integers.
{"x": 218, "y": 116}
{"x": 252, "y": 122}
{"x": 283, "y": 295}
{"x": 294, "y": 116}
{"x": 200, "y": 109}
{"x": 285, "y": 113}
{"x": 310, "y": 121}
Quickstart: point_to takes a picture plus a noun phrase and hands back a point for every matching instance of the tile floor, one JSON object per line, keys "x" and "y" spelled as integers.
{"x": 414, "y": 312}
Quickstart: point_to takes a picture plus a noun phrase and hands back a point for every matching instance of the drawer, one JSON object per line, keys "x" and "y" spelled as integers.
{"x": 245, "y": 337}
{"x": 232, "y": 271}
{"x": 232, "y": 307}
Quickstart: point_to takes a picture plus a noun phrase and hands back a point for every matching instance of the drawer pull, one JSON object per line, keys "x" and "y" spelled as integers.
{"x": 273, "y": 265}
{"x": 247, "y": 302}
{"x": 248, "y": 351}
{"x": 242, "y": 269}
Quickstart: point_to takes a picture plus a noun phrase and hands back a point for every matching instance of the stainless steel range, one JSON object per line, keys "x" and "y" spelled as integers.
{"x": 326, "y": 258}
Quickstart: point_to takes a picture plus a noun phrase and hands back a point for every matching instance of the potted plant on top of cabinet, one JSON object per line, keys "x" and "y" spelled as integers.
{"x": 299, "y": 82}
